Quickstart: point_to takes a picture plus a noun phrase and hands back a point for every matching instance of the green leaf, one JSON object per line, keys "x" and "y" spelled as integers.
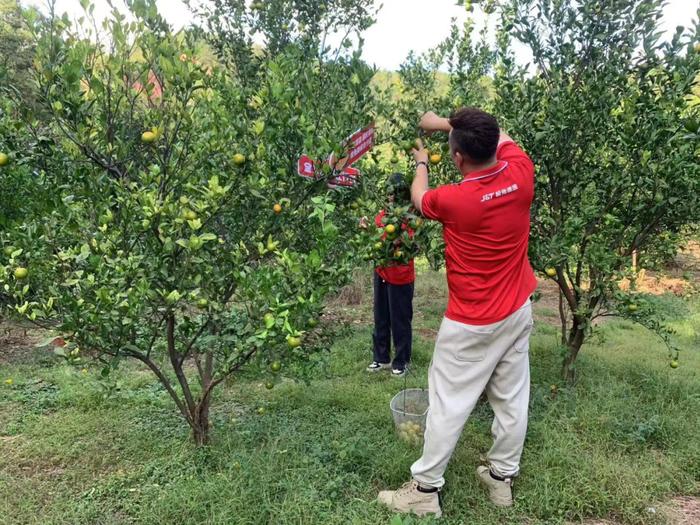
{"x": 396, "y": 520}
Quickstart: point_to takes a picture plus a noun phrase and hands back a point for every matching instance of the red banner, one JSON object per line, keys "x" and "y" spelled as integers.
{"x": 306, "y": 167}
{"x": 347, "y": 179}
{"x": 356, "y": 145}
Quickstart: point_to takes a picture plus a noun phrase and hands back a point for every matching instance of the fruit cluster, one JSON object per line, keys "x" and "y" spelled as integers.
{"x": 410, "y": 432}
{"x": 397, "y": 239}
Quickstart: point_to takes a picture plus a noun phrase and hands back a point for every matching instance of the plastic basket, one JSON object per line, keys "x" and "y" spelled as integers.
{"x": 409, "y": 409}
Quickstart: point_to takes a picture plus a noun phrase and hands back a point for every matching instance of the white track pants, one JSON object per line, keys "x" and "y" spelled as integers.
{"x": 469, "y": 359}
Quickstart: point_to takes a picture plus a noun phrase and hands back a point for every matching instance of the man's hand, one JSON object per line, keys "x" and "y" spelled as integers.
{"x": 420, "y": 181}
{"x": 420, "y": 152}
{"x": 430, "y": 123}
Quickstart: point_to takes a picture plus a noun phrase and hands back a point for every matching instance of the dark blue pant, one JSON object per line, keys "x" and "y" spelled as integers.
{"x": 393, "y": 314}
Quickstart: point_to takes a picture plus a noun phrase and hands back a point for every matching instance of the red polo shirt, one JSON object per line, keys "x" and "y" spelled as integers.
{"x": 398, "y": 274}
{"x": 486, "y": 226}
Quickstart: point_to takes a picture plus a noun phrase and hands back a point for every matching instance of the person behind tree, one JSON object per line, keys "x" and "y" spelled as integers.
{"x": 393, "y": 297}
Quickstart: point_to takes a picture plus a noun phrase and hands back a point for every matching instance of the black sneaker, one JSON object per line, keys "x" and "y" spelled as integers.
{"x": 398, "y": 372}
{"x": 374, "y": 366}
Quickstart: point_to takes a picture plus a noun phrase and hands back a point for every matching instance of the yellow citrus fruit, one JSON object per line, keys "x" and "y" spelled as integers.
{"x": 390, "y": 228}
{"x": 293, "y": 342}
{"x": 239, "y": 159}
{"x": 674, "y": 363}
{"x": 275, "y": 366}
{"x": 633, "y": 307}
{"x": 435, "y": 158}
{"x": 277, "y": 208}
{"x": 4, "y": 159}
{"x": 551, "y": 272}
{"x": 21, "y": 273}
{"x": 148, "y": 137}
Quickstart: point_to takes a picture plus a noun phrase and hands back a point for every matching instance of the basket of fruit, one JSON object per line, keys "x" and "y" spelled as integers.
{"x": 409, "y": 409}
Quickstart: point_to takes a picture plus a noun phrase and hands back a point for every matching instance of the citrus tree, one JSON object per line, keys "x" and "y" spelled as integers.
{"x": 602, "y": 111}
{"x": 184, "y": 238}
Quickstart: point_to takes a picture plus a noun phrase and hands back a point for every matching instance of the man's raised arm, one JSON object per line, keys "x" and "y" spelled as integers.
{"x": 430, "y": 123}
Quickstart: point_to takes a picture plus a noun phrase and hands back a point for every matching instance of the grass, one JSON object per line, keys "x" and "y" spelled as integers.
{"x": 622, "y": 440}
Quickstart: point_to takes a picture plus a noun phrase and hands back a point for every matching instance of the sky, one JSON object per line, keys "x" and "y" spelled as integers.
{"x": 402, "y": 25}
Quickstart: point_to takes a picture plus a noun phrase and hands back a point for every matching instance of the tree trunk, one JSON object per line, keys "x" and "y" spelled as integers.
{"x": 563, "y": 317}
{"x": 573, "y": 345}
{"x": 200, "y": 428}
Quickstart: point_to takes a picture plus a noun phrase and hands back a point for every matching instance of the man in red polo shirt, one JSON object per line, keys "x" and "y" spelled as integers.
{"x": 393, "y": 299}
{"x": 483, "y": 340}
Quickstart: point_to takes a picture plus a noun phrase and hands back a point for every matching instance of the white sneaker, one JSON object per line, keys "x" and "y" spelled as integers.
{"x": 500, "y": 491}
{"x": 398, "y": 372}
{"x": 409, "y": 499}
{"x": 374, "y": 366}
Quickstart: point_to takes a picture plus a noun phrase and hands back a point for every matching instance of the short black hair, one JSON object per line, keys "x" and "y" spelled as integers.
{"x": 398, "y": 187}
{"x": 475, "y": 133}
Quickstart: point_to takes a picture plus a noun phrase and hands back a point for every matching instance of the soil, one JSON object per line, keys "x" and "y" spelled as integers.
{"x": 681, "y": 510}
{"x": 18, "y": 344}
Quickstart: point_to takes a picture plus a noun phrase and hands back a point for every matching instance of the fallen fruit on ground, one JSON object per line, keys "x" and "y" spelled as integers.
{"x": 148, "y": 137}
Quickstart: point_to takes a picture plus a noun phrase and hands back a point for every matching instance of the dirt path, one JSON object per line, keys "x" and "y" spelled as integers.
{"x": 682, "y": 510}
